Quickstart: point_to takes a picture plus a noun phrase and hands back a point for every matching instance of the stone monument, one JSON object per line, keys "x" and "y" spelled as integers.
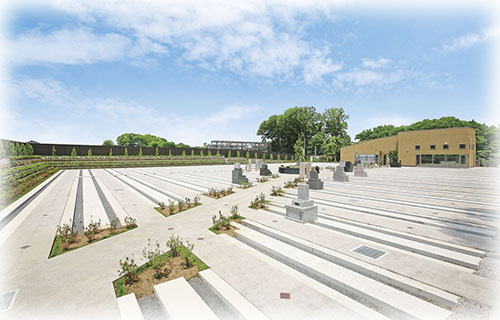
{"x": 308, "y": 169}
{"x": 342, "y": 163}
{"x": 359, "y": 171}
{"x": 339, "y": 174}
{"x": 314, "y": 181}
{"x": 238, "y": 177}
{"x": 302, "y": 209}
{"x": 264, "y": 171}
{"x": 302, "y": 170}
{"x": 249, "y": 165}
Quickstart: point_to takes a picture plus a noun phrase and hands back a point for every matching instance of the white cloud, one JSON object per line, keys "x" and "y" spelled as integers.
{"x": 471, "y": 39}
{"x": 382, "y": 73}
{"x": 100, "y": 118}
{"x": 394, "y": 119}
{"x": 260, "y": 38}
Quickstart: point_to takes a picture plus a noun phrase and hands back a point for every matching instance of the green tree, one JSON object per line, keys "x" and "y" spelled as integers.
{"x": 248, "y": 155}
{"x": 2, "y": 150}
{"x": 255, "y": 155}
{"x": 183, "y": 153}
{"x": 201, "y": 153}
{"x": 271, "y": 156}
{"x": 73, "y": 152}
{"x": 298, "y": 148}
{"x": 89, "y": 153}
{"x": 332, "y": 148}
{"x": 217, "y": 154}
{"x": 110, "y": 152}
{"x": 169, "y": 152}
{"x": 29, "y": 149}
{"x": 12, "y": 149}
{"x": 238, "y": 154}
{"x": 229, "y": 154}
{"x": 263, "y": 156}
{"x": 54, "y": 151}
{"x": 192, "y": 152}
{"x": 286, "y": 157}
{"x": 209, "y": 153}
{"x": 140, "y": 152}
{"x": 125, "y": 153}
{"x": 157, "y": 152}
{"x": 335, "y": 122}
{"x": 108, "y": 143}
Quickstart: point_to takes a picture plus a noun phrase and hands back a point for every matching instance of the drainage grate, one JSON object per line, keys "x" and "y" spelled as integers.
{"x": 7, "y": 299}
{"x": 369, "y": 252}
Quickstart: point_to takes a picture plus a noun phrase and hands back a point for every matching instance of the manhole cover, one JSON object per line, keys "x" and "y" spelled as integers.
{"x": 284, "y": 295}
{"x": 7, "y": 299}
{"x": 170, "y": 228}
{"x": 369, "y": 252}
{"x": 26, "y": 246}
{"x": 200, "y": 238}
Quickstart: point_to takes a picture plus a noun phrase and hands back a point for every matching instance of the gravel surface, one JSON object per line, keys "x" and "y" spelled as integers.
{"x": 489, "y": 268}
{"x": 467, "y": 309}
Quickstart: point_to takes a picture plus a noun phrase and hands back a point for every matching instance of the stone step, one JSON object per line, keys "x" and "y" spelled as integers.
{"x": 181, "y": 302}
{"x": 155, "y": 187}
{"x": 383, "y": 298}
{"x": 117, "y": 208}
{"x": 191, "y": 186}
{"x": 93, "y": 209}
{"x": 152, "y": 195}
{"x": 445, "y": 255}
{"x": 415, "y": 288}
{"x": 231, "y": 296}
{"x": 129, "y": 308}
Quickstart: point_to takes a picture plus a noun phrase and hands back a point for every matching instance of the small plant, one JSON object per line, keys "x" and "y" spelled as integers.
{"x": 246, "y": 185}
{"x": 196, "y": 200}
{"x": 174, "y": 243}
{"x": 89, "y": 153}
{"x": 169, "y": 152}
{"x": 157, "y": 152}
{"x": 275, "y": 176}
{"x": 140, "y": 152}
{"x": 125, "y": 153}
{"x": 290, "y": 184}
{"x": 110, "y": 152}
{"x": 192, "y": 152}
{"x": 229, "y": 154}
{"x": 181, "y": 205}
{"x": 201, "y": 153}
{"x": 209, "y": 153}
{"x": 187, "y": 262}
{"x": 263, "y": 179}
{"x": 183, "y": 153}
{"x": 234, "y": 212}
{"x": 73, "y": 152}
{"x": 238, "y": 154}
{"x": 92, "y": 229}
{"x": 54, "y": 151}
{"x": 277, "y": 191}
{"x": 171, "y": 206}
{"x": 153, "y": 254}
{"x": 67, "y": 235}
{"x": 248, "y": 155}
{"x": 259, "y": 202}
{"x": 128, "y": 268}
{"x": 162, "y": 205}
{"x": 130, "y": 222}
{"x": 113, "y": 225}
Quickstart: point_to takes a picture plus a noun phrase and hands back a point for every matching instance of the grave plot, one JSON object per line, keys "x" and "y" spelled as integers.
{"x": 91, "y": 214}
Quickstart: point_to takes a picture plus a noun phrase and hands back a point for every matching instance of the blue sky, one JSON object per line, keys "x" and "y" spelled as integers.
{"x": 195, "y": 71}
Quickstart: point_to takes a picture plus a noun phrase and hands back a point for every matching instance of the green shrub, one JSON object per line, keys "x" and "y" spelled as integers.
{"x": 89, "y": 153}
{"x": 29, "y": 149}
{"x": 110, "y": 152}
{"x": 54, "y": 151}
{"x": 140, "y": 152}
{"x": 217, "y": 154}
{"x": 255, "y": 155}
{"x": 263, "y": 156}
{"x": 286, "y": 157}
{"x": 238, "y": 154}
{"x": 125, "y": 153}
{"x": 279, "y": 157}
{"x": 183, "y": 153}
{"x": 201, "y": 153}
{"x": 157, "y": 153}
{"x": 192, "y": 152}
{"x": 271, "y": 156}
{"x": 229, "y": 154}
{"x": 73, "y": 152}
{"x": 209, "y": 153}
{"x": 169, "y": 152}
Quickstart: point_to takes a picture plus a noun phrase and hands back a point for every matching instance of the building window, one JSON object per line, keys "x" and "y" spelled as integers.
{"x": 433, "y": 147}
{"x": 417, "y": 147}
{"x": 446, "y": 146}
{"x": 462, "y": 146}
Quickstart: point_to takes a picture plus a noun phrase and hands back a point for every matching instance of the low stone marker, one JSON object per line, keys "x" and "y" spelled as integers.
{"x": 339, "y": 174}
{"x": 238, "y": 177}
{"x": 359, "y": 171}
{"x": 302, "y": 170}
{"x": 264, "y": 171}
{"x": 308, "y": 169}
{"x": 314, "y": 181}
{"x": 249, "y": 165}
{"x": 302, "y": 209}
{"x": 342, "y": 163}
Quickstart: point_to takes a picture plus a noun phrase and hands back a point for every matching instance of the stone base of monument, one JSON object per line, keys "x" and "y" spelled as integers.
{"x": 359, "y": 171}
{"x": 292, "y": 170}
{"x": 264, "y": 171}
{"x": 302, "y": 209}
{"x": 238, "y": 177}
{"x": 314, "y": 182}
{"x": 339, "y": 174}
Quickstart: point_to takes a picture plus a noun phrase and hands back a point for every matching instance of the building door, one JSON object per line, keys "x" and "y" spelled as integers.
{"x": 417, "y": 160}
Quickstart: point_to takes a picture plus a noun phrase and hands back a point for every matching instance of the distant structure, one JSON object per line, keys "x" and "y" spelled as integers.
{"x": 238, "y": 145}
{"x": 449, "y": 147}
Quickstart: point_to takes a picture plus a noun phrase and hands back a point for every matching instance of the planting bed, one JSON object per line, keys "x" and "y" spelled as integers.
{"x": 146, "y": 277}
{"x": 169, "y": 211}
{"x": 81, "y": 240}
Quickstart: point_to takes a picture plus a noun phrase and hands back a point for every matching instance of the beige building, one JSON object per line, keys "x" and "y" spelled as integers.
{"x": 450, "y": 147}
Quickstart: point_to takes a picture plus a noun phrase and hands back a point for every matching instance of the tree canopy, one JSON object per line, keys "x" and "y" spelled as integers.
{"x": 146, "y": 140}
{"x": 487, "y": 137}
{"x": 305, "y": 124}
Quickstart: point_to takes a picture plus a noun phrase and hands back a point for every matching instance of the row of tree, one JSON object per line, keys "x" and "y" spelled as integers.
{"x": 11, "y": 149}
{"x": 143, "y": 140}
{"x": 304, "y": 131}
{"x": 487, "y": 137}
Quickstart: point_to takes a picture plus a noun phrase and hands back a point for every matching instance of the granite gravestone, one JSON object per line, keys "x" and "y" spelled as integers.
{"x": 314, "y": 181}
{"x": 359, "y": 171}
{"x": 342, "y": 163}
{"x": 302, "y": 170}
{"x": 339, "y": 174}
{"x": 249, "y": 165}
{"x": 264, "y": 171}
{"x": 302, "y": 209}
{"x": 238, "y": 177}
{"x": 308, "y": 169}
